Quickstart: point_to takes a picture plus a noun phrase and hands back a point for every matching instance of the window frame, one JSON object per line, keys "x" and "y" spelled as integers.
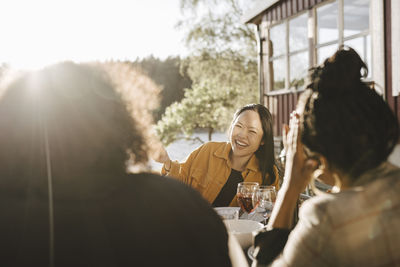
{"x": 295, "y": 52}
{"x": 287, "y": 54}
{"x": 313, "y": 46}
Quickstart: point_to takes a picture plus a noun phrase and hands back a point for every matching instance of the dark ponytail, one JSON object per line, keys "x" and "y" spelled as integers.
{"x": 344, "y": 119}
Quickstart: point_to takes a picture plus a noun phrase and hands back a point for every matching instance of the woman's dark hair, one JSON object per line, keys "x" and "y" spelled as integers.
{"x": 344, "y": 119}
{"x": 265, "y": 153}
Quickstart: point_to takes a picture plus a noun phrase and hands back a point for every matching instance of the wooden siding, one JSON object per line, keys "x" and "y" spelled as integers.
{"x": 287, "y": 8}
{"x": 393, "y": 101}
{"x": 280, "y": 107}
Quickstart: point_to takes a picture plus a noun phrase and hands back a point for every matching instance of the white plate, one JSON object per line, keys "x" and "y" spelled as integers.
{"x": 228, "y": 213}
{"x": 228, "y": 208}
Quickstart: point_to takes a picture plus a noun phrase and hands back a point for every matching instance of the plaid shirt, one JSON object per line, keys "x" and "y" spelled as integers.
{"x": 356, "y": 227}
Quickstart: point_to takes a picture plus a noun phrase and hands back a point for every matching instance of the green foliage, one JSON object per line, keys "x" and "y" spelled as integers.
{"x": 211, "y": 102}
{"x": 215, "y": 26}
{"x": 202, "y": 107}
{"x": 222, "y": 67}
{"x": 169, "y": 76}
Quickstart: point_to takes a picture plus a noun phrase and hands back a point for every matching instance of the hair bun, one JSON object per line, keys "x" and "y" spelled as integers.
{"x": 339, "y": 74}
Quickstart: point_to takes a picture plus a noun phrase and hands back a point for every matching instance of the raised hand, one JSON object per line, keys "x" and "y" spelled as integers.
{"x": 161, "y": 155}
{"x": 299, "y": 167}
{"x": 298, "y": 172}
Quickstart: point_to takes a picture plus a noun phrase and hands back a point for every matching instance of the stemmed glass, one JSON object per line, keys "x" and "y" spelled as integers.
{"x": 264, "y": 200}
{"x": 245, "y": 193}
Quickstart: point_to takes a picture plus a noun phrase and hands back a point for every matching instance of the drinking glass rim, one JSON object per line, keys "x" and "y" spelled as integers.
{"x": 249, "y": 183}
{"x": 265, "y": 187}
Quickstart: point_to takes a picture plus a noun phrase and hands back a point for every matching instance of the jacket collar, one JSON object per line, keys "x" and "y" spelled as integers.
{"x": 223, "y": 153}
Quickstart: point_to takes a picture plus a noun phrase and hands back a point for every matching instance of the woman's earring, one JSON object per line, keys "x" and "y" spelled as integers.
{"x": 317, "y": 176}
{"x": 319, "y": 172}
{"x": 338, "y": 184}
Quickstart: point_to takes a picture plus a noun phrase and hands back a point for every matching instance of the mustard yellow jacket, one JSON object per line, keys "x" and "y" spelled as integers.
{"x": 208, "y": 168}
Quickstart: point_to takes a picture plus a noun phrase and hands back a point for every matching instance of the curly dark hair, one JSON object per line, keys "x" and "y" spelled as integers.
{"x": 344, "y": 119}
{"x": 265, "y": 153}
{"x": 88, "y": 127}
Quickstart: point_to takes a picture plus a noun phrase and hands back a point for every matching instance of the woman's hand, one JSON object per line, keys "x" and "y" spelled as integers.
{"x": 299, "y": 168}
{"x": 161, "y": 156}
{"x": 298, "y": 172}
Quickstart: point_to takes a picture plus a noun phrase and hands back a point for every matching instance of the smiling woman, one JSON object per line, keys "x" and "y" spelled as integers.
{"x": 246, "y": 137}
{"x": 215, "y": 168}
{"x": 41, "y": 32}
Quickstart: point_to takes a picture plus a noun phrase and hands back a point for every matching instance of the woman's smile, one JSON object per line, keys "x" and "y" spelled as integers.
{"x": 246, "y": 134}
{"x": 241, "y": 144}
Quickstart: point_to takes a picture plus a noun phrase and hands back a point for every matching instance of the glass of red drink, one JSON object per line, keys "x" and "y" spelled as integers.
{"x": 245, "y": 193}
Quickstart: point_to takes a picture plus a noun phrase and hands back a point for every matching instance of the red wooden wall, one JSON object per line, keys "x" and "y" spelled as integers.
{"x": 393, "y": 101}
{"x": 287, "y": 8}
{"x": 280, "y": 107}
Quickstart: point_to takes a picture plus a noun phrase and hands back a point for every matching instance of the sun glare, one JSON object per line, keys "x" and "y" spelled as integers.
{"x": 30, "y": 64}
{"x": 42, "y": 32}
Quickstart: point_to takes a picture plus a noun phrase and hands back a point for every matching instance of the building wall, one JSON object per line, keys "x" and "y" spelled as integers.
{"x": 390, "y": 46}
{"x": 287, "y": 8}
{"x": 282, "y": 103}
{"x": 280, "y": 107}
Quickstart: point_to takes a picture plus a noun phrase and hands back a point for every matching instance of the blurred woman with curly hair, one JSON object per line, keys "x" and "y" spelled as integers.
{"x": 66, "y": 199}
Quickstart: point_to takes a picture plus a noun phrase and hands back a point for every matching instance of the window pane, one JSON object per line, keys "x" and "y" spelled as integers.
{"x": 278, "y": 37}
{"x": 298, "y": 35}
{"x": 358, "y": 44}
{"x": 325, "y": 52}
{"x": 298, "y": 69}
{"x": 356, "y": 16}
{"x": 278, "y": 73}
{"x": 363, "y": 47}
{"x": 327, "y": 27}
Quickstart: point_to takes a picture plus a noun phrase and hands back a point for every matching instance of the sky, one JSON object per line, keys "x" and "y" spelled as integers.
{"x": 35, "y": 33}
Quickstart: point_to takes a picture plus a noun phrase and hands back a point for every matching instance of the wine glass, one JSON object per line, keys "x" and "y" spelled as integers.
{"x": 245, "y": 192}
{"x": 264, "y": 200}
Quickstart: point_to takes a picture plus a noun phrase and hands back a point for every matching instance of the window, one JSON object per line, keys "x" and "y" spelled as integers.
{"x": 354, "y": 16}
{"x": 356, "y": 28}
{"x": 289, "y": 53}
{"x": 278, "y": 56}
{"x": 332, "y": 24}
{"x": 327, "y": 31}
{"x": 298, "y": 51}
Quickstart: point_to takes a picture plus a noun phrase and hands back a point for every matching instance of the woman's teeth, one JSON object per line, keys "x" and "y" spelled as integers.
{"x": 240, "y": 143}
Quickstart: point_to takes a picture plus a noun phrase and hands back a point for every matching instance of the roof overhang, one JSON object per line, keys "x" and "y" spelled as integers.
{"x": 254, "y": 15}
